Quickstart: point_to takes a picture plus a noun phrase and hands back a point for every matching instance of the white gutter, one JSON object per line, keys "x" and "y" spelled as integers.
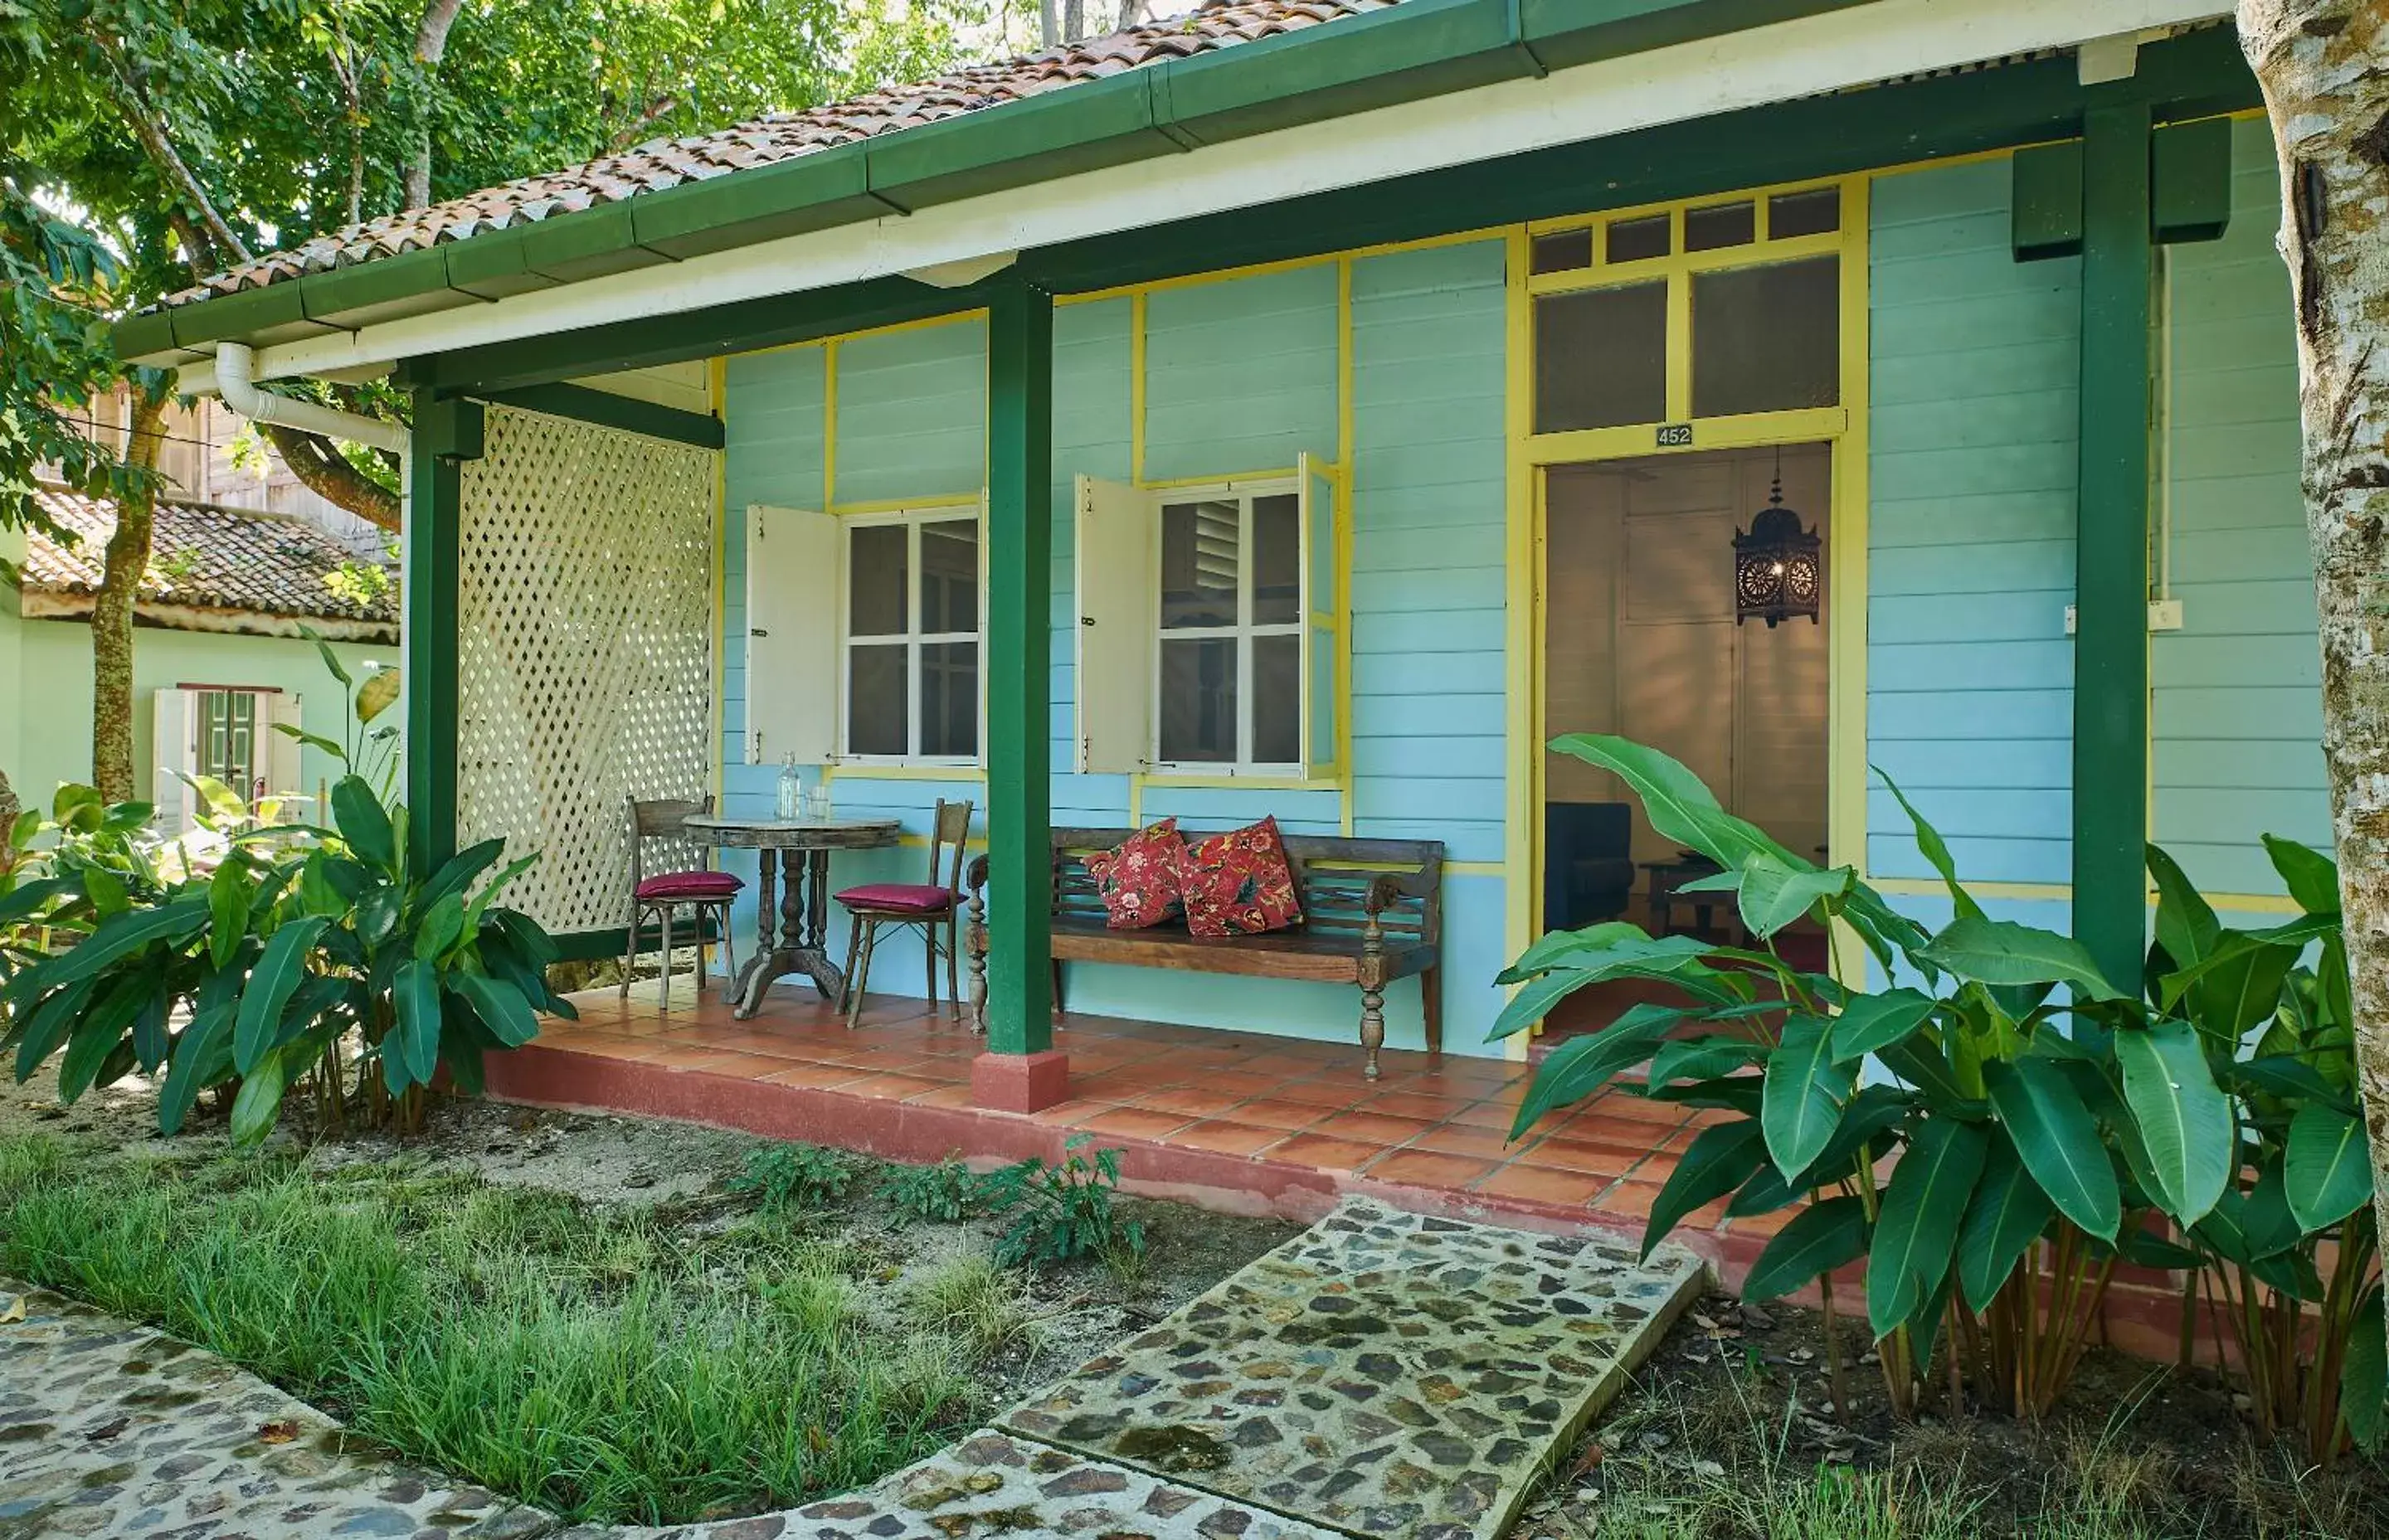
{"x": 236, "y": 382}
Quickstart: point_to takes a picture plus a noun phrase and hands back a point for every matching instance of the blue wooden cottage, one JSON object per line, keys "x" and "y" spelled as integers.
{"x": 1307, "y": 408}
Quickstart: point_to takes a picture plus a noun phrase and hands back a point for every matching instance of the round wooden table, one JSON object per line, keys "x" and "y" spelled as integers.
{"x": 792, "y": 855}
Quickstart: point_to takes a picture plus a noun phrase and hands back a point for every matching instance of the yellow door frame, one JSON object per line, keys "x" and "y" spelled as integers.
{"x": 1843, "y": 428}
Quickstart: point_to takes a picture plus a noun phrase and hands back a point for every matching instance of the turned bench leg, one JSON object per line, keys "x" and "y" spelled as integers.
{"x": 1372, "y": 1023}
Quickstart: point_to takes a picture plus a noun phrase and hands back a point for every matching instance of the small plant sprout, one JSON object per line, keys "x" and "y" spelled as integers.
{"x": 1062, "y": 1212}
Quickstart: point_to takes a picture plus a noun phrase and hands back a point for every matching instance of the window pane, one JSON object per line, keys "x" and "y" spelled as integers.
{"x": 1601, "y": 358}
{"x": 950, "y": 576}
{"x": 1720, "y": 224}
{"x": 875, "y": 704}
{"x": 1277, "y": 700}
{"x": 1277, "y": 559}
{"x": 1562, "y": 251}
{"x": 1198, "y": 563}
{"x": 950, "y": 698}
{"x": 1766, "y": 339}
{"x": 877, "y": 579}
{"x": 1632, "y": 240}
{"x": 1198, "y": 701}
{"x": 1809, "y": 213}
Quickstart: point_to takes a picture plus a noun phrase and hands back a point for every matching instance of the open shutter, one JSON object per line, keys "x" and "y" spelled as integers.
{"x": 1116, "y": 613}
{"x": 1322, "y": 611}
{"x": 792, "y": 662}
{"x": 174, "y": 715}
{"x": 281, "y": 758}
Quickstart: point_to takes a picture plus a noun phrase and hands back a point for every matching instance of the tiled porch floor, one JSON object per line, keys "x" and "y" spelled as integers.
{"x": 1235, "y": 1120}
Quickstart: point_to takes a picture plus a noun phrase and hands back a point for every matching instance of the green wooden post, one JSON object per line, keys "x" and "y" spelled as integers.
{"x": 1020, "y": 576}
{"x": 446, "y": 434}
{"x": 2110, "y": 644}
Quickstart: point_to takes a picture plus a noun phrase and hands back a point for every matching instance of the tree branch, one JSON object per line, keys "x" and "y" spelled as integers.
{"x": 325, "y": 472}
{"x": 169, "y": 160}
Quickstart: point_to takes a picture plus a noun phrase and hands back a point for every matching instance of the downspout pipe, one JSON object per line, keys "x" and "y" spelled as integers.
{"x": 236, "y": 383}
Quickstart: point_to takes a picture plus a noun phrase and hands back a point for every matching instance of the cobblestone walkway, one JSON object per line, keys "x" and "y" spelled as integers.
{"x": 1384, "y": 1374}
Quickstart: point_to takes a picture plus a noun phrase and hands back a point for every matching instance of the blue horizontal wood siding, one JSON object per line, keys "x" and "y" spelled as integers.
{"x": 2237, "y": 701}
{"x": 1973, "y": 370}
{"x": 912, "y": 413}
{"x": 1240, "y": 375}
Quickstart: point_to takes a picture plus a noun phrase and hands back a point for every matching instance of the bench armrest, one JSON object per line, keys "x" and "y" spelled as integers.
{"x": 975, "y": 880}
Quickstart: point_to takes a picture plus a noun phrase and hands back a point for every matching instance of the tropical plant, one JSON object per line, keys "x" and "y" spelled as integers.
{"x": 795, "y": 1175}
{"x": 2041, "y": 1117}
{"x": 1063, "y": 1212}
{"x": 946, "y": 1192}
{"x": 303, "y": 957}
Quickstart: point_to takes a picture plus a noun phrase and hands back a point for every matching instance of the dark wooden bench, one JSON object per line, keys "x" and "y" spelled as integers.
{"x": 1373, "y": 913}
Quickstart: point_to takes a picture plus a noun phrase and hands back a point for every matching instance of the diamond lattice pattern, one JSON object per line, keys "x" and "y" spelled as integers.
{"x": 584, "y": 668}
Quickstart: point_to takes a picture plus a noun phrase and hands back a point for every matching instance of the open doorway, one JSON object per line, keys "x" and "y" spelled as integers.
{"x": 1641, "y": 638}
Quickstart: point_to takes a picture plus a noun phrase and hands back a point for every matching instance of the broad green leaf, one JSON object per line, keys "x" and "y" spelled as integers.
{"x": 121, "y": 937}
{"x": 2326, "y": 1166}
{"x": 28, "y": 896}
{"x": 1916, "y": 1232}
{"x": 1870, "y": 1113}
{"x": 313, "y": 740}
{"x": 1920, "y": 1060}
{"x": 331, "y": 660}
{"x": 2234, "y": 986}
{"x": 1805, "y": 1090}
{"x": 1582, "y": 1065}
{"x": 456, "y": 874}
{"x": 2290, "y": 1078}
{"x": 495, "y": 885}
{"x": 100, "y": 1032}
{"x": 1720, "y": 1159}
{"x": 415, "y": 995}
{"x": 49, "y": 1025}
{"x": 228, "y": 894}
{"x": 1870, "y": 1022}
{"x": 74, "y": 803}
{"x": 377, "y": 694}
{"x": 2008, "y": 1213}
{"x": 2186, "y": 927}
{"x": 1820, "y": 1238}
{"x": 151, "y": 1042}
{"x": 107, "y": 892}
{"x": 21, "y": 833}
{"x": 1929, "y": 841}
{"x": 1703, "y": 1058}
{"x": 2002, "y": 951}
{"x": 438, "y": 926}
{"x": 278, "y": 971}
{"x": 1679, "y": 808}
{"x": 2311, "y": 876}
{"x": 1531, "y": 1002}
{"x": 1600, "y": 947}
{"x": 500, "y": 1007}
{"x": 2267, "y": 1224}
{"x": 2364, "y": 1373}
{"x": 1774, "y": 892}
{"x": 2059, "y": 1140}
{"x": 260, "y": 1100}
{"x": 2184, "y": 1118}
{"x": 364, "y": 823}
{"x": 1554, "y": 947}
{"x": 203, "y": 1044}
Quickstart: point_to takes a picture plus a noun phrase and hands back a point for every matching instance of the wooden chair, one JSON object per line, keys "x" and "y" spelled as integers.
{"x": 933, "y": 906}
{"x": 697, "y": 887}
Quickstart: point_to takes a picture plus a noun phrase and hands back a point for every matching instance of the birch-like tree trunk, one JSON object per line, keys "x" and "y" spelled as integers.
{"x": 2324, "y": 67}
{"x": 111, "y": 610}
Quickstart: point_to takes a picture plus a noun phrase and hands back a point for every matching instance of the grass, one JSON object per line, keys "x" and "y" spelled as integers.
{"x": 595, "y": 1363}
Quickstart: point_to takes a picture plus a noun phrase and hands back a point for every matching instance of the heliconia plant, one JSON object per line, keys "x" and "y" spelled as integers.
{"x": 2043, "y": 1124}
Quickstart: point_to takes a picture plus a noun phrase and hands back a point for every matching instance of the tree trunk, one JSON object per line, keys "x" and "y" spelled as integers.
{"x": 1049, "y": 24}
{"x": 430, "y": 47}
{"x": 111, "y": 612}
{"x": 9, "y": 811}
{"x": 2324, "y": 66}
{"x": 1074, "y": 19}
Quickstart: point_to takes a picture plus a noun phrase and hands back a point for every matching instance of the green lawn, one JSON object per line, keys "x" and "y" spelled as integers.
{"x": 604, "y": 1364}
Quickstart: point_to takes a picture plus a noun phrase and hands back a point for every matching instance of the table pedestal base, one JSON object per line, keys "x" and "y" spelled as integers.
{"x": 801, "y": 944}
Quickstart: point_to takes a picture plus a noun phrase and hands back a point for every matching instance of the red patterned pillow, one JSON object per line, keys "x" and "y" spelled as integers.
{"x": 1138, "y": 882}
{"x": 1239, "y": 882}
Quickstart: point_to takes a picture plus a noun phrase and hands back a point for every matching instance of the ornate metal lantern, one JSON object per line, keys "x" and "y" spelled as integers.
{"x": 1779, "y": 569}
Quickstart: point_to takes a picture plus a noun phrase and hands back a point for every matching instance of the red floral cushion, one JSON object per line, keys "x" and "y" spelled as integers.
{"x": 1239, "y": 882}
{"x": 904, "y": 898}
{"x": 1138, "y": 882}
{"x": 669, "y": 885}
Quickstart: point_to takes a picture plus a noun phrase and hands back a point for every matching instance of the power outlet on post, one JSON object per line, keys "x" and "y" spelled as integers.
{"x": 2165, "y": 615}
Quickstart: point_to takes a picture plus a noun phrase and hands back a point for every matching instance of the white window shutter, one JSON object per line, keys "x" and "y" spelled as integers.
{"x": 172, "y": 717}
{"x": 1116, "y": 615}
{"x": 282, "y": 759}
{"x": 1322, "y": 614}
{"x": 792, "y": 653}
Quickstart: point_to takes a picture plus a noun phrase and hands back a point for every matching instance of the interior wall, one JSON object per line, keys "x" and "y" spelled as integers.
{"x": 1639, "y": 637}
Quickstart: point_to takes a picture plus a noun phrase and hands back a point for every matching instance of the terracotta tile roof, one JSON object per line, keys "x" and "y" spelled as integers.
{"x": 782, "y": 137}
{"x": 205, "y": 556}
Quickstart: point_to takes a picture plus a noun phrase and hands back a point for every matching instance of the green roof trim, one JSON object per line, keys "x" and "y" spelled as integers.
{"x": 1078, "y": 128}
{"x": 793, "y": 197}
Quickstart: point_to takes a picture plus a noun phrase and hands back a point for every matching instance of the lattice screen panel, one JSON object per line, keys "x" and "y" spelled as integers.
{"x": 585, "y": 598}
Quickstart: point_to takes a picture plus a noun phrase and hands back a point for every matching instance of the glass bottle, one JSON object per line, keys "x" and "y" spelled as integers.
{"x": 791, "y": 803}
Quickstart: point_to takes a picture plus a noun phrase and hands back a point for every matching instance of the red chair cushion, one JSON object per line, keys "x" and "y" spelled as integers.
{"x": 667, "y": 887}
{"x": 1239, "y": 882}
{"x": 904, "y": 897}
{"x": 1138, "y": 879}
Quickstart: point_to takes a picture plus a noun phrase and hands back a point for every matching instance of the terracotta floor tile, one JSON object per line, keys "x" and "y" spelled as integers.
{"x": 1617, "y": 1106}
{"x": 1241, "y": 1083}
{"x": 815, "y": 1076}
{"x": 1288, "y": 1115}
{"x": 1598, "y": 1158}
{"x": 891, "y": 1087}
{"x": 1322, "y": 1093}
{"x": 1073, "y": 1112}
{"x": 604, "y": 1046}
{"x": 1459, "y": 1140}
{"x": 1634, "y": 1197}
{"x": 1374, "y": 1126}
{"x": 1428, "y": 1168}
{"x": 1427, "y": 1109}
{"x": 1225, "y": 1139}
{"x": 1498, "y": 1113}
{"x": 1193, "y": 1100}
{"x": 746, "y": 1066}
{"x": 1543, "y": 1184}
{"x": 1323, "y": 1153}
{"x": 1135, "y": 1123}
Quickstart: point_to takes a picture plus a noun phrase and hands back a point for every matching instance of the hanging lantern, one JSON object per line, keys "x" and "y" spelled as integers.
{"x": 1779, "y": 570}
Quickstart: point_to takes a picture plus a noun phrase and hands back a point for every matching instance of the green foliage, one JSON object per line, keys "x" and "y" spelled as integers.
{"x": 288, "y": 955}
{"x": 968, "y": 1296}
{"x": 791, "y": 1177}
{"x": 2049, "y": 1124}
{"x": 1062, "y": 1212}
{"x": 946, "y": 1192}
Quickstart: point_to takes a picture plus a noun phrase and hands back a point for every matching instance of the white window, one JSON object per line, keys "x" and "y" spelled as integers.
{"x": 912, "y": 638}
{"x": 1210, "y": 626}
{"x": 225, "y": 733}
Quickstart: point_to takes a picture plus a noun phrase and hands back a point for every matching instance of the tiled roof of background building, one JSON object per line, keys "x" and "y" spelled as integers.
{"x": 782, "y": 137}
{"x": 203, "y": 555}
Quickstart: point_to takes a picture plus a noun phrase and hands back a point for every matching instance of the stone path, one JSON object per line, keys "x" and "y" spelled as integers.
{"x": 1384, "y": 1374}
